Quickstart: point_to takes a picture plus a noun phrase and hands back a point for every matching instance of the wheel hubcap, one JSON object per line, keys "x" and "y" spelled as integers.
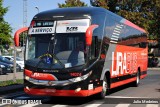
{"x": 104, "y": 86}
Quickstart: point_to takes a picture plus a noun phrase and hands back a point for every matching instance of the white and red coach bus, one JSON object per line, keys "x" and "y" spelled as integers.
{"x": 81, "y": 52}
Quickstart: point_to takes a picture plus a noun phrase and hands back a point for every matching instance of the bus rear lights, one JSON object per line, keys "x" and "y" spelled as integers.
{"x": 78, "y": 89}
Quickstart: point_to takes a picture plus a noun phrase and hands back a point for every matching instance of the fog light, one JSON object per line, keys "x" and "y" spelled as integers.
{"x": 27, "y": 88}
{"x": 77, "y": 90}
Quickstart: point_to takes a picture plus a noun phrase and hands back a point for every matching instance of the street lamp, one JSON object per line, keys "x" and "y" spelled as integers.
{"x": 37, "y": 9}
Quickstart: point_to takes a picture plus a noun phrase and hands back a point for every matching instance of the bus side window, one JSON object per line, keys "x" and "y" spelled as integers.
{"x": 94, "y": 46}
{"x": 143, "y": 45}
{"x": 105, "y": 46}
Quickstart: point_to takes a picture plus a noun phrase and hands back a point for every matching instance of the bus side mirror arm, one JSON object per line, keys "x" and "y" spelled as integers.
{"x": 16, "y": 35}
{"x": 89, "y": 34}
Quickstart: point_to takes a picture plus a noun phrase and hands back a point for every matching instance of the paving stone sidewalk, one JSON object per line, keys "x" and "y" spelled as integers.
{"x": 9, "y": 76}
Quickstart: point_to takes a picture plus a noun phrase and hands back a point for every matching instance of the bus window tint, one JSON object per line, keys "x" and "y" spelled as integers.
{"x": 31, "y": 48}
{"x": 105, "y": 45}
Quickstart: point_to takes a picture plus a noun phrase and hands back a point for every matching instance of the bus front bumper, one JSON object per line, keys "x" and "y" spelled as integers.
{"x": 53, "y": 92}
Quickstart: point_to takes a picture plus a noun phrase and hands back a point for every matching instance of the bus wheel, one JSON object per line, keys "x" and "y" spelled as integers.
{"x": 102, "y": 94}
{"x": 136, "y": 83}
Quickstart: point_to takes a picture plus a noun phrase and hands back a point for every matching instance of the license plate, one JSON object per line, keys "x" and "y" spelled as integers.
{"x": 50, "y": 90}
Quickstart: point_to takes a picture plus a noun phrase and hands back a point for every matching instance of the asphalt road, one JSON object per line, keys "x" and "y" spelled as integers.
{"x": 146, "y": 95}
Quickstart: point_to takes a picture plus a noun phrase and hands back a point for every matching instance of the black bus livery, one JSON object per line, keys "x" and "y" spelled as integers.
{"x": 82, "y": 51}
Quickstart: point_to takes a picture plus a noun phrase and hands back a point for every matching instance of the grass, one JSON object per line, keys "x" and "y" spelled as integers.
{"x": 11, "y": 82}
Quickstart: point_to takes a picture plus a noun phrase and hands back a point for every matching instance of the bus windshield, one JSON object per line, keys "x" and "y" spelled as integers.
{"x": 64, "y": 48}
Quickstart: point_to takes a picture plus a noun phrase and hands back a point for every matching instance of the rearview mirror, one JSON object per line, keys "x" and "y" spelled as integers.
{"x": 16, "y": 35}
{"x": 89, "y": 34}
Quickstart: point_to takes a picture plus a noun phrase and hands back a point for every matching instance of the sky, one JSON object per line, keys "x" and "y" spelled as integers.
{"x": 14, "y": 16}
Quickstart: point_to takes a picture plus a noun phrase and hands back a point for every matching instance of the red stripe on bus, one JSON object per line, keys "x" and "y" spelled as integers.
{"x": 134, "y": 26}
{"x": 116, "y": 84}
{"x": 53, "y": 92}
{"x": 27, "y": 72}
{"x": 40, "y": 76}
{"x": 143, "y": 76}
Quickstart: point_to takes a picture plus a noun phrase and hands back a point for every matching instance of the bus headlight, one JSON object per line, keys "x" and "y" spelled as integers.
{"x": 77, "y": 79}
{"x": 27, "y": 77}
{"x": 2, "y": 66}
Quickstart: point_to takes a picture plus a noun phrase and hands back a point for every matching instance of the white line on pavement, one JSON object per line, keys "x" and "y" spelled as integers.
{"x": 94, "y": 105}
{"x": 123, "y": 97}
{"x": 122, "y": 105}
{"x": 1, "y": 105}
{"x": 152, "y": 105}
{"x": 29, "y": 105}
{"x": 58, "y": 105}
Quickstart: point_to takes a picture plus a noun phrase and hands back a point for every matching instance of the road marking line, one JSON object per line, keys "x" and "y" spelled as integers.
{"x": 152, "y": 105}
{"x": 1, "y": 105}
{"x": 58, "y": 105}
{"x": 123, "y": 97}
{"x": 29, "y": 105}
{"x": 94, "y": 105}
{"x": 122, "y": 105}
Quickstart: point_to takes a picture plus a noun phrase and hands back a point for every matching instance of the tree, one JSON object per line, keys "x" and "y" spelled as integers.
{"x": 5, "y": 29}
{"x": 99, "y": 3}
{"x": 144, "y": 13}
{"x": 72, "y": 3}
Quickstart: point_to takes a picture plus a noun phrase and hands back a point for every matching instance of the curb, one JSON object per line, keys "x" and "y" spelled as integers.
{"x": 154, "y": 68}
{"x": 11, "y": 89}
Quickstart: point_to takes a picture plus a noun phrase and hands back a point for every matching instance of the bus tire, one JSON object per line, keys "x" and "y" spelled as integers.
{"x": 102, "y": 94}
{"x": 136, "y": 83}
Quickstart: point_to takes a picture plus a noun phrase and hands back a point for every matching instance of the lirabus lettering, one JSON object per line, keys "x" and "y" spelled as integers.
{"x": 123, "y": 63}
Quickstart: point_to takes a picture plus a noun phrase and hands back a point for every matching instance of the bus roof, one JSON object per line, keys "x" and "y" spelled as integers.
{"x": 67, "y": 13}
{"x": 80, "y": 12}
